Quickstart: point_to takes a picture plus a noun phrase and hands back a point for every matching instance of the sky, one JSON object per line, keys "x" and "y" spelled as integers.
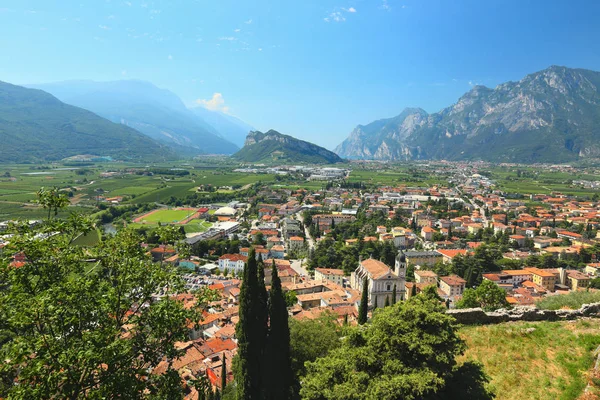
{"x": 313, "y": 69}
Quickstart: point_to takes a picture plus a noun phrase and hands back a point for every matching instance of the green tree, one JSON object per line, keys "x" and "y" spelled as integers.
{"x": 250, "y": 334}
{"x": 407, "y": 351}
{"x": 363, "y": 308}
{"x": 313, "y": 338}
{"x": 223, "y": 374}
{"x": 52, "y": 200}
{"x": 65, "y": 312}
{"x": 488, "y": 296}
{"x": 280, "y": 379}
{"x": 394, "y": 295}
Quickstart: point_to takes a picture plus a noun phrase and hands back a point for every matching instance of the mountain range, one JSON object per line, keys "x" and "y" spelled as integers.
{"x": 272, "y": 145}
{"x": 155, "y": 112}
{"x": 36, "y": 126}
{"x": 548, "y": 116}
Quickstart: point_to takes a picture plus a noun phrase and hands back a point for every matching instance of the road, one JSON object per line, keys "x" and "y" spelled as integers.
{"x": 297, "y": 266}
{"x": 311, "y": 242}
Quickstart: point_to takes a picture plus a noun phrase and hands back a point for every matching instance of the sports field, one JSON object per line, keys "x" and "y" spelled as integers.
{"x": 167, "y": 216}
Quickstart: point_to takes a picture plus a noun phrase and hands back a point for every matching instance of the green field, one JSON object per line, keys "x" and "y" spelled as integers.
{"x": 196, "y": 226}
{"x": 167, "y": 216}
{"x": 543, "y": 360}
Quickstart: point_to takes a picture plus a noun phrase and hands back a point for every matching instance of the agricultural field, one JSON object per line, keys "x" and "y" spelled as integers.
{"x": 537, "y": 360}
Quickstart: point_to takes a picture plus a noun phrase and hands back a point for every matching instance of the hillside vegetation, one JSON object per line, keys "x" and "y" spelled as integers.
{"x": 36, "y": 126}
{"x": 543, "y": 360}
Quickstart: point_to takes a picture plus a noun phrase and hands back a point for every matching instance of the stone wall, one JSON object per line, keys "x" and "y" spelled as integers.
{"x": 476, "y": 316}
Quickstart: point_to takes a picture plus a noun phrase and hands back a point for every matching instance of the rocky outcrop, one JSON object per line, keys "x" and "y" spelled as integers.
{"x": 476, "y": 316}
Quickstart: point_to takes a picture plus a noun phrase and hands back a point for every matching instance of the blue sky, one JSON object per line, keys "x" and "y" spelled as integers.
{"x": 311, "y": 68}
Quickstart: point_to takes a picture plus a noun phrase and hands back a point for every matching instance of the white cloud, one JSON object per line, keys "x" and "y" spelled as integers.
{"x": 216, "y": 103}
{"x": 237, "y": 30}
{"x": 335, "y": 16}
{"x": 385, "y": 5}
{"x": 350, "y": 10}
{"x": 111, "y": 17}
{"x": 128, "y": 3}
{"x": 248, "y": 22}
{"x": 124, "y": 72}
{"x": 199, "y": 40}
{"x": 170, "y": 57}
{"x": 228, "y": 38}
{"x": 106, "y": 28}
{"x": 260, "y": 49}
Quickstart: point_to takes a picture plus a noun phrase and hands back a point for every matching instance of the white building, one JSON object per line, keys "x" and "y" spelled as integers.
{"x": 233, "y": 262}
{"x": 381, "y": 280}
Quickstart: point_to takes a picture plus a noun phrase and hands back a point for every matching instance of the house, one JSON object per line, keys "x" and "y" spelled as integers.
{"x": 520, "y": 239}
{"x": 577, "y": 280}
{"x": 329, "y": 274}
{"x": 592, "y": 269}
{"x": 295, "y": 243}
{"x": 381, "y": 279}
{"x": 427, "y": 233}
{"x": 424, "y": 276}
{"x": 232, "y": 262}
{"x": 277, "y": 251}
{"x": 449, "y": 254}
{"x": 422, "y": 257}
{"x": 452, "y": 285}
{"x": 543, "y": 278}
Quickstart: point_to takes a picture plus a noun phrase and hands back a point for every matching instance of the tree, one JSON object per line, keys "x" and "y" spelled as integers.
{"x": 66, "y": 309}
{"x": 407, "y": 351}
{"x": 488, "y": 296}
{"x": 223, "y": 374}
{"x": 387, "y": 302}
{"x": 280, "y": 377}
{"x": 394, "y": 295}
{"x": 313, "y": 338}
{"x": 364, "y": 303}
{"x": 291, "y": 298}
{"x": 413, "y": 290}
{"x": 250, "y": 334}
{"x": 52, "y": 200}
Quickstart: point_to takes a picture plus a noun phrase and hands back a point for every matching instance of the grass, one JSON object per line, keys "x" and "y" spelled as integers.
{"x": 167, "y": 216}
{"x": 572, "y": 300}
{"x": 196, "y": 226}
{"x": 543, "y": 360}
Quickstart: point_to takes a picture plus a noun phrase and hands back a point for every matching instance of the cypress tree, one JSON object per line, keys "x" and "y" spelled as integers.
{"x": 413, "y": 291}
{"x": 223, "y": 374}
{"x": 387, "y": 302}
{"x": 363, "y": 307}
{"x": 375, "y": 304}
{"x": 394, "y": 295}
{"x": 278, "y": 358}
{"x": 247, "y": 367}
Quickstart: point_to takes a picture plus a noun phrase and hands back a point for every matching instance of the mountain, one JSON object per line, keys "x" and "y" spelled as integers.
{"x": 36, "y": 126}
{"x": 548, "y": 116}
{"x": 228, "y": 126}
{"x": 157, "y": 113}
{"x": 261, "y": 147}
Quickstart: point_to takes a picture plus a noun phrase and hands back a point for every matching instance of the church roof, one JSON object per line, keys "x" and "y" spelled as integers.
{"x": 376, "y": 268}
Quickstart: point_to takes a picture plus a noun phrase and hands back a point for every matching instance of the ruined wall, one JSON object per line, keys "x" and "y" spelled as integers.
{"x": 476, "y": 316}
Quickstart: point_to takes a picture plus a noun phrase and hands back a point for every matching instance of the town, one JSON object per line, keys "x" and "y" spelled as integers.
{"x": 343, "y": 243}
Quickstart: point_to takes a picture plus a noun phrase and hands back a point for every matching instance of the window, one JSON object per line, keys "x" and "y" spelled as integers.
{"x": 388, "y": 288}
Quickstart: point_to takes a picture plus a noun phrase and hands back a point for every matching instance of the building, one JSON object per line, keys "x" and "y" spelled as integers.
{"x": 422, "y": 257}
{"x": 424, "y": 276}
{"x": 449, "y": 254}
{"x": 277, "y": 251}
{"x": 577, "y": 280}
{"x": 380, "y": 279}
{"x": 232, "y": 262}
{"x": 543, "y": 278}
{"x": 329, "y": 274}
{"x": 427, "y": 233}
{"x": 452, "y": 285}
{"x": 295, "y": 243}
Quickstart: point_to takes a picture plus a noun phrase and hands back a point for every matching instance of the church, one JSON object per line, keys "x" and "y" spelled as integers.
{"x": 381, "y": 279}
